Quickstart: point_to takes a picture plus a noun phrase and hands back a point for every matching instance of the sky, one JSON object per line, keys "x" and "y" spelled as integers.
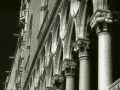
{"x": 9, "y": 19}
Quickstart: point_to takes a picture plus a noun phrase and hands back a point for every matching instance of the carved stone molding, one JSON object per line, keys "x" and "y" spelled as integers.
{"x": 74, "y": 7}
{"x": 50, "y": 88}
{"x": 18, "y": 81}
{"x": 102, "y": 20}
{"x": 57, "y": 81}
{"x": 68, "y": 66}
{"x": 22, "y": 55}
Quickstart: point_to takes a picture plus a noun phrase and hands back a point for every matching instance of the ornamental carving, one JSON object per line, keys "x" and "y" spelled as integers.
{"x": 23, "y": 35}
{"x": 102, "y": 20}
{"x": 82, "y": 44}
{"x": 68, "y": 66}
{"x": 18, "y": 81}
{"x": 100, "y": 17}
{"x": 22, "y": 53}
{"x": 57, "y": 80}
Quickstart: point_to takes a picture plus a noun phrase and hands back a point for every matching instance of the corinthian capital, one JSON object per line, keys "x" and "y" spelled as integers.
{"x": 68, "y": 66}
{"x": 57, "y": 81}
{"x": 102, "y": 20}
{"x": 101, "y": 16}
{"x": 81, "y": 44}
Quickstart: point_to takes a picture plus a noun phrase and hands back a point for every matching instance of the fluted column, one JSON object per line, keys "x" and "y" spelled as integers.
{"x": 101, "y": 22}
{"x": 57, "y": 81}
{"x": 68, "y": 66}
{"x": 82, "y": 46}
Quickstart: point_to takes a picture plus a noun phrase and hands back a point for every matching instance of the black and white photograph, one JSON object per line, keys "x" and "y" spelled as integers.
{"x": 59, "y": 44}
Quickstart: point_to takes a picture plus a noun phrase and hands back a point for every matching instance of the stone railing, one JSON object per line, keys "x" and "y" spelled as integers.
{"x": 115, "y": 85}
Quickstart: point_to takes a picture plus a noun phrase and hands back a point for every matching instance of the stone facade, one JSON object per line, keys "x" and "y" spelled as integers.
{"x": 56, "y": 45}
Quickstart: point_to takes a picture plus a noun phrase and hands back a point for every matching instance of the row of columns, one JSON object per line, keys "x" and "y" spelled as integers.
{"x": 101, "y": 23}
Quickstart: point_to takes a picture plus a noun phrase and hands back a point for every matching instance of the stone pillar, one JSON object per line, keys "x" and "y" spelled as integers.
{"x": 57, "y": 81}
{"x": 101, "y": 22}
{"x": 82, "y": 46}
{"x": 68, "y": 66}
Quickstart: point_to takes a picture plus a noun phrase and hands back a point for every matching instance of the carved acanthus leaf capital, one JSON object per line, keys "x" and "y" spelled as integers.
{"x": 82, "y": 44}
{"x": 102, "y": 20}
{"x": 101, "y": 16}
{"x": 68, "y": 66}
{"x": 57, "y": 80}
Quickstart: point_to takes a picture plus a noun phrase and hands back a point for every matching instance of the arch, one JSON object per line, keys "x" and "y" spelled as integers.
{"x": 42, "y": 61}
{"x": 55, "y": 34}
{"x": 65, "y": 12}
{"x": 66, "y": 40}
{"x": 49, "y": 73}
{"x": 70, "y": 42}
{"x": 48, "y": 50}
{"x": 89, "y": 13}
{"x": 64, "y": 18}
{"x": 100, "y": 4}
{"x": 82, "y": 17}
{"x": 58, "y": 58}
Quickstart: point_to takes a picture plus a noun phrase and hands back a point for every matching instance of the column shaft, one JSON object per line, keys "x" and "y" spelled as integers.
{"x": 70, "y": 83}
{"x": 104, "y": 60}
{"x": 84, "y": 74}
{"x": 68, "y": 66}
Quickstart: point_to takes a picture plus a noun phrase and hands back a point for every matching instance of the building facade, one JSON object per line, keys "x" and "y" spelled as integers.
{"x": 66, "y": 45}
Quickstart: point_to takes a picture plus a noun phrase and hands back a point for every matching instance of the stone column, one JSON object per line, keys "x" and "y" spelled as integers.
{"x": 82, "y": 46}
{"x": 57, "y": 81}
{"x": 101, "y": 22}
{"x": 68, "y": 66}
